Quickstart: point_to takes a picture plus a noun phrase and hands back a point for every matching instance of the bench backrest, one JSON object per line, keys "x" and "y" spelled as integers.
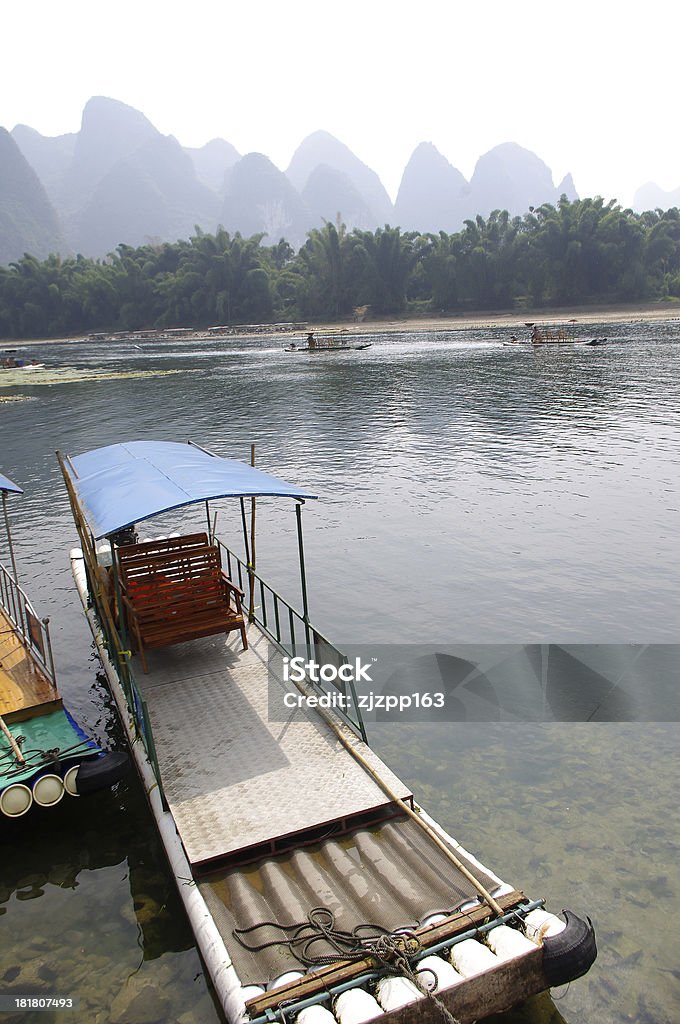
{"x": 162, "y": 546}
{"x": 156, "y": 579}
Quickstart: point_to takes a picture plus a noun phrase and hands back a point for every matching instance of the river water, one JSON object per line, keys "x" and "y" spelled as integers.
{"x": 471, "y": 492}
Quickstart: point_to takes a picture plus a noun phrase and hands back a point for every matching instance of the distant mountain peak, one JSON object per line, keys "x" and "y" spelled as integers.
{"x": 323, "y": 148}
{"x": 212, "y": 161}
{"x": 103, "y": 108}
{"x": 567, "y": 188}
{"x": 510, "y": 177}
{"x": 330, "y": 194}
{"x": 431, "y": 192}
{"x": 651, "y": 196}
{"x": 28, "y": 222}
{"x": 260, "y": 198}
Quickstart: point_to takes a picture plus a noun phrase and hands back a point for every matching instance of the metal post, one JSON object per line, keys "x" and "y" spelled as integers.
{"x": 207, "y": 514}
{"x": 46, "y": 624}
{"x": 251, "y": 607}
{"x": 303, "y": 575}
{"x": 245, "y": 531}
{"x": 9, "y": 537}
{"x": 122, "y": 631}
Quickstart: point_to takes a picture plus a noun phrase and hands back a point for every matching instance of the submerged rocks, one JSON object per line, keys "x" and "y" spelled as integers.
{"x": 139, "y": 1002}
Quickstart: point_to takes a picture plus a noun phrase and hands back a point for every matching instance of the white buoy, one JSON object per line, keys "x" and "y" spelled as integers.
{"x": 356, "y": 1007}
{"x": 251, "y": 992}
{"x": 70, "y": 781}
{"x": 539, "y": 925}
{"x": 470, "y": 957}
{"x": 437, "y": 973}
{"x": 283, "y": 979}
{"x": 15, "y": 800}
{"x": 393, "y": 993}
{"x": 315, "y": 1015}
{"x": 48, "y": 790}
{"x": 507, "y": 943}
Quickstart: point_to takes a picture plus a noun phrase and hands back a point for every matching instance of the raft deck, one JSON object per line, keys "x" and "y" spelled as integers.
{"x": 277, "y": 818}
{"x": 237, "y": 784}
{"x": 25, "y": 690}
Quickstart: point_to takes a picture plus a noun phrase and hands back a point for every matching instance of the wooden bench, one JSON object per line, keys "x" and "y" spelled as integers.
{"x": 174, "y": 590}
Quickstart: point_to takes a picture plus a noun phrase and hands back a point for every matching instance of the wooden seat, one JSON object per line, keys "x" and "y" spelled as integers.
{"x": 173, "y": 592}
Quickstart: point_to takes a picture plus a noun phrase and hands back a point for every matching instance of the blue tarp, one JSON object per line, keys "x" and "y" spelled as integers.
{"x": 7, "y": 485}
{"x": 127, "y": 483}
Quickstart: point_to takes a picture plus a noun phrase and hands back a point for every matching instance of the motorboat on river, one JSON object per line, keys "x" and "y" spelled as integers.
{"x": 44, "y": 753}
{"x": 317, "y": 887}
{"x": 328, "y": 343}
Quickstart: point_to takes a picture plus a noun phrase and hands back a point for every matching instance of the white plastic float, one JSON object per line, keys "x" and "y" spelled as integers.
{"x": 356, "y": 1007}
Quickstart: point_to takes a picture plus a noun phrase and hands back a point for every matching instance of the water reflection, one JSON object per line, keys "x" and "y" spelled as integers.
{"x": 89, "y": 910}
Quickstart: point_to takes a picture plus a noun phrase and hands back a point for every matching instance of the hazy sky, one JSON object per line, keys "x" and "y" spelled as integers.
{"x": 591, "y": 87}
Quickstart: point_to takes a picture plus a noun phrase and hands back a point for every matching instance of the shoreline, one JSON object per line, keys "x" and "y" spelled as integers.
{"x": 414, "y": 325}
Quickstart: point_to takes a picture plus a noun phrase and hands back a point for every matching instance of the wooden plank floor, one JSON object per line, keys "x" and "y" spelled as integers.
{"x": 23, "y": 686}
{"x": 234, "y": 779}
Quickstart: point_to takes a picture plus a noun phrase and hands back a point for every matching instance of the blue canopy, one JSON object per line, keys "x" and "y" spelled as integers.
{"x": 126, "y": 483}
{"x": 7, "y": 485}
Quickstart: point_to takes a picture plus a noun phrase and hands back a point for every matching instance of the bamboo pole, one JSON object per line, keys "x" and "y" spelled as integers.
{"x": 12, "y": 742}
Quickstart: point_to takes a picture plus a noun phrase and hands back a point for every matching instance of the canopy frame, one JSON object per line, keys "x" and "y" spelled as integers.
{"x": 8, "y": 486}
{"x": 126, "y": 465}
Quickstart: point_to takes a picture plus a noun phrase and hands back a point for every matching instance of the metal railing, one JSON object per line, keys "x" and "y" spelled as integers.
{"x": 34, "y": 631}
{"x": 120, "y": 658}
{"x": 292, "y": 633}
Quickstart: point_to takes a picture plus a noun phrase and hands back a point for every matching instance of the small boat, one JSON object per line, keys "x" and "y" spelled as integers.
{"x": 552, "y": 334}
{"x": 11, "y": 360}
{"x": 327, "y": 343}
{"x": 44, "y": 753}
{"x": 317, "y": 888}
{"x": 328, "y": 348}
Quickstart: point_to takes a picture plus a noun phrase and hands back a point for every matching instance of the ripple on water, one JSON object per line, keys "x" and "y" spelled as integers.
{"x": 469, "y": 492}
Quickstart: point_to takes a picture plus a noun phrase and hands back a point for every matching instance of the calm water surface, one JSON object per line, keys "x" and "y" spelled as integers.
{"x": 470, "y": 492}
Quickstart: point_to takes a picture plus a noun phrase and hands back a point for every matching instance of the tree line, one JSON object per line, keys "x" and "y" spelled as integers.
{"x": 575, "y": 253}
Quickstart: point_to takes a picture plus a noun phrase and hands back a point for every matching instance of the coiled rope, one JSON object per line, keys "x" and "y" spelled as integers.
{"x": 391, "y": 950}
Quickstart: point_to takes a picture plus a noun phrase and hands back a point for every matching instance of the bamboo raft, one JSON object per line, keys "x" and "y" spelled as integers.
{"x": 319, "y": 882}
{"x": 44, "y": 753}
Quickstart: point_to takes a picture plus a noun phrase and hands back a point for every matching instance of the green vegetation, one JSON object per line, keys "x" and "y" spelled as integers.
{"x": 576, "y": 253}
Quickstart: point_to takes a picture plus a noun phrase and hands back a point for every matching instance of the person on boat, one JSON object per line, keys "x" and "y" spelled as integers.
{"x": 535, "y": 334}
{"x": 311, "y": 340}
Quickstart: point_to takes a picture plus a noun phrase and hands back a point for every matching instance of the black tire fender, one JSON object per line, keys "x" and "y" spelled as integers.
{"x": 101, "y": 772}
{"x": 570, "y": 954}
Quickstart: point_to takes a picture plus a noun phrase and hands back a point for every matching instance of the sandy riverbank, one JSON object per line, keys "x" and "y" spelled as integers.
{"x": 478, "y": 321}
{"x": 433, "y": 324}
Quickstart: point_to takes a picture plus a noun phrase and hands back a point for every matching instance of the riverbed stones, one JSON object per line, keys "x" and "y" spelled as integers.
{"x": 139, "y": 1002}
